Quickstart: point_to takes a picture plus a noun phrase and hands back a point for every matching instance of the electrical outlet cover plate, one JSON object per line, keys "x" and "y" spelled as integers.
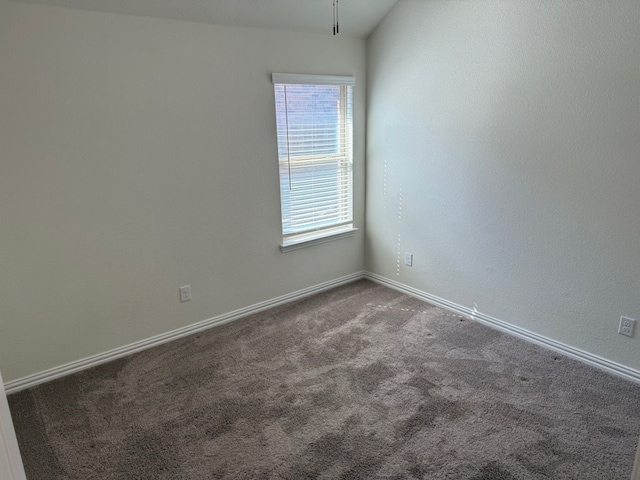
{"x": 627, "y": 325}
{"x": 185, "y": 293}
{"x": 408, "y": 259}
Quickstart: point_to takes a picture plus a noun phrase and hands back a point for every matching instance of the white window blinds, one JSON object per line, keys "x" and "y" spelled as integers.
{"x": 314, "y": 119}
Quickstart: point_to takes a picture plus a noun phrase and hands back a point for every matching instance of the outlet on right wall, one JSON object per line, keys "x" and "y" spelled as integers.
{"x": 503, "y": 151}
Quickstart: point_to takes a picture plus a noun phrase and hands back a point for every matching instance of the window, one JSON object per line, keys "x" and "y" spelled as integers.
{"x": 314, "y": 119}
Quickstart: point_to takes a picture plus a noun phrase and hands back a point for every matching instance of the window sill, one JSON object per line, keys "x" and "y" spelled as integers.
{"x": 327, "y": 237}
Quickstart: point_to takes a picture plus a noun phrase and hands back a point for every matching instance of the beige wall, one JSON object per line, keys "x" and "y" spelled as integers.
{"x": 508, "y": 136}
{"x": 138, "y": 155}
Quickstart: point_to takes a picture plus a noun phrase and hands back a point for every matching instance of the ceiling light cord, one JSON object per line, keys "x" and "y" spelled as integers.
{"x": 336, "y": 22}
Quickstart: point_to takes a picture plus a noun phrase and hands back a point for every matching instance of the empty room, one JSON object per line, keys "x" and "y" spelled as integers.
{"x": 319, "y": 239}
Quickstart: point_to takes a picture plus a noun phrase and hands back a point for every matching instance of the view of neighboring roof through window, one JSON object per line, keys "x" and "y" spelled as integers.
{"x": 314, "y": 119}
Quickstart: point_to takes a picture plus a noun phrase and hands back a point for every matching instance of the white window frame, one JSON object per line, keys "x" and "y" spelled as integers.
{"x": 293, "y": 238}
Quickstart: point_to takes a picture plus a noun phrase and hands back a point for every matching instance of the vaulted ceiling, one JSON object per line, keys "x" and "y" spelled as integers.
{"x": 357, "y": 17}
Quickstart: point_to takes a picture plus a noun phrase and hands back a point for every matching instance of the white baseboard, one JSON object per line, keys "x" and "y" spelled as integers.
{"x": 88, "y": 362}
{"x": 94, "y": 360}
{"x": 576, "y": 353}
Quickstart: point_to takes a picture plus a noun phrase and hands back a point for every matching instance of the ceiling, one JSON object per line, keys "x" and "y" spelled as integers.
{"x": 357, "y": 17}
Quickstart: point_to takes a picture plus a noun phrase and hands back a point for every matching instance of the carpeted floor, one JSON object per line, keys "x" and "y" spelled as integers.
{"x": 360, "y": 382}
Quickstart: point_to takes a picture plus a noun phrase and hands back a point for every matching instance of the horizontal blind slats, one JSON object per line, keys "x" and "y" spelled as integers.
{"x": 314, "y": 133}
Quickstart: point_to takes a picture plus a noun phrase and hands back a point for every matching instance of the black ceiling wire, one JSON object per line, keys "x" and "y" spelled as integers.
{"x": 334, "y": 17}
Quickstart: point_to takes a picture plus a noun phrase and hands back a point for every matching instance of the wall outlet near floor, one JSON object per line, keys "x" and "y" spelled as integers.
{"x": 185, "y": 293}
{"x": 408, "y": 259}
{"x": 627, "y": 326}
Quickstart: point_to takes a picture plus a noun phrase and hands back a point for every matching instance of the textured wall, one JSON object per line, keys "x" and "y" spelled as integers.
{"x": 139, "y": 155}
{"x": 503, "y": 150}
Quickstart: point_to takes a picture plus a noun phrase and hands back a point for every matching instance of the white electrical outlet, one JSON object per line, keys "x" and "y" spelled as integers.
{"x": 626, "y": 326}
{"x": 185, "y": 293}
{"x": 408, "y": 259}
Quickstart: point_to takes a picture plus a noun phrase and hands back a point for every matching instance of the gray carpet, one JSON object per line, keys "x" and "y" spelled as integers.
{"x": 360, "y": 382}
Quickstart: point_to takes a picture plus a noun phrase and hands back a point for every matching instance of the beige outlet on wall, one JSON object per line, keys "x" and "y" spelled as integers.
{"x": 408, "y": 259}
{"x": 626, "y": 326}
{"x": 185, "y": 293}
